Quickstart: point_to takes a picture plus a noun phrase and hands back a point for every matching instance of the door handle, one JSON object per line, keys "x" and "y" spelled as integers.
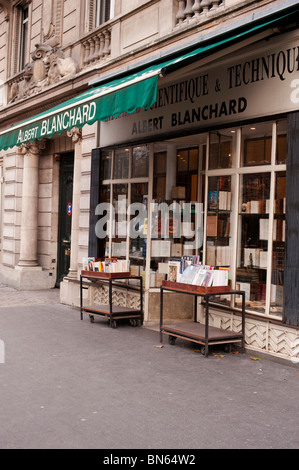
{"x": 68, "y": 242}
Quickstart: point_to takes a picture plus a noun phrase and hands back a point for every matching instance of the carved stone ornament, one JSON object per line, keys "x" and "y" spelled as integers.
{"x": 75, "y": 134}
{"x": 32, "y": 147}
{"x": 48, "y": 66}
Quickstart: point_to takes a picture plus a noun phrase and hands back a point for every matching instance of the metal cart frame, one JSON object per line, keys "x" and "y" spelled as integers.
{"x": 196, "y": 332}
{"x": 110, "y": 311}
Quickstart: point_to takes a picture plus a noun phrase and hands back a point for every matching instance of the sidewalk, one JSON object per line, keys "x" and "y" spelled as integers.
{"x": 68, "y": 383}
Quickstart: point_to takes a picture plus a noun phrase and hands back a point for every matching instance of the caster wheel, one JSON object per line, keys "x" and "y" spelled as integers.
{"x": 203, "y": 350}
{"x": 171, "y": 339}
{"x": 133, "y": 322}
{"x": 91, "y": 318}
{"x": 139, "y": 323}
{"x": 228, "y": 348}
{"x": 114, "y": 324}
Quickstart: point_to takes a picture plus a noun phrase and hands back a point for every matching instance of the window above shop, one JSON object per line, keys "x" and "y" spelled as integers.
{"x": 104, "y": 11}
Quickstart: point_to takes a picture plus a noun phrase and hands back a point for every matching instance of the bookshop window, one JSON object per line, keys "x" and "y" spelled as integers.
{"x": 257, "y": 144}
{"x": 159, "y": 181}
{"x": 187, "y": 172}
{"x": 137, "y": 240}
{"x": 140, "y": 161}
{"x": 106, "y": 164}
{"x": 281, "y": 147}
{"x": 120, "y": 170}
{"x": 218, "y": 245}
{"x": 278, "y": 250}
{"x": 221, "y": 149}
{"x": 121, "y": 163}
{"x": 119, "y": 233}
{"x": 251, "y": 275}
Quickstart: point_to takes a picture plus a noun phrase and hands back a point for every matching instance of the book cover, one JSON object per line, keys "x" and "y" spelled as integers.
{"x": 212, "y": 200}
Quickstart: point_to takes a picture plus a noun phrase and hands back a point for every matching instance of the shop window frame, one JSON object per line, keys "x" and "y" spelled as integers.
{"x": 236, "y": 172}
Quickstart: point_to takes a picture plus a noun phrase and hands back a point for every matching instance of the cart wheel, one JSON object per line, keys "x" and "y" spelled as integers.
{"x": 133, "y": 322}
{"x": 114, "y": 324}
{"x": 228, "y": 348}
{"x": 91, "y": 318}
{"x": 171, "y": 339}
{"x": 203, "y": 350}
{"x": 139, "y": 322}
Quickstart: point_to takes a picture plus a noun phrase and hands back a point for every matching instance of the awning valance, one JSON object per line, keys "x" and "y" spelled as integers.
{"x": 126, "y": 94}
{"x": 97, "y": 104}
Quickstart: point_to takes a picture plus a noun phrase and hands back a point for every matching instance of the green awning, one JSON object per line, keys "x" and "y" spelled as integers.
{"x": 126, "y": 94}
{"x": 97, "y": 104}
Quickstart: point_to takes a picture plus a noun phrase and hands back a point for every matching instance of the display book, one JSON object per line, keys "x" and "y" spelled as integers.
{"x": 189, "y": 270}
{"x": 109, "y": 265}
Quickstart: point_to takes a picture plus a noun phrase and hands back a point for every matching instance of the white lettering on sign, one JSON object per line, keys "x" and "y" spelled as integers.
{"x": 59, "y": 122}
{"x": 262, "y": 81}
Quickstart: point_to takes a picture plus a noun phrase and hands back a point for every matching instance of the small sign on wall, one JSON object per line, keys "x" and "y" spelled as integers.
{"x": 69, "y": 209}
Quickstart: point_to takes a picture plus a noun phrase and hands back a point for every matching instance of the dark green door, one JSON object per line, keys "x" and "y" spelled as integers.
{"x": 65, "y": 215}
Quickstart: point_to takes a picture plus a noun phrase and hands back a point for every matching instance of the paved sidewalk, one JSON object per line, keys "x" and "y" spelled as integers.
{"x": 67, "y": 383}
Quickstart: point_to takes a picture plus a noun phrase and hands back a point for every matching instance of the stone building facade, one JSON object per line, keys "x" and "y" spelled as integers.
{"x": 53, "y": 52}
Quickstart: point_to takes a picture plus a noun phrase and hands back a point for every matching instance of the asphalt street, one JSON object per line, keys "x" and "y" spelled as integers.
{"x": 72, "y": 384}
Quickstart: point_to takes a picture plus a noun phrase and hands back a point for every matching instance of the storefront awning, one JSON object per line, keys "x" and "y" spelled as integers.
{"x": 126, "y": 94}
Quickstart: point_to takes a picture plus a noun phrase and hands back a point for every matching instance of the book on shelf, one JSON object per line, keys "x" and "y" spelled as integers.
{"x": 264, "y": 229}
{"x": 220, "y": 277}
{"x": 174, "y": 273}
{"x": 212, "y": 200}
{"x": 176, "y": 250}
{"x": 205, "y": 276}
{"x": 189, "y": 274}
{"x": 224, "y": 200}
{"x": 223, "y": 227}
{"x": 161, "y": 248}
{"x": 256, "y": 206}
{"x": 212, "y": 222}
{"x": 107, "y": 266}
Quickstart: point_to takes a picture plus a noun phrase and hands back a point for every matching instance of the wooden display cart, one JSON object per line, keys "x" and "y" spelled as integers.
{"x": 112, "y": 312}
{"x": 196, "y": 332}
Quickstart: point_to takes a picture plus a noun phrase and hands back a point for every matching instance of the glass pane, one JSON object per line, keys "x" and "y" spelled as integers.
{"x": 257, "y": 144}
{"x": 121, "y": 163}
{"x": 106, "y": 159}
{"x": 160, "y": 163}
{"x": 254, "y": 223}
{"x": 137, "y": 247}
{"x": 120, "y": 204}
{"x": 103, "y": 241}
{"x": 218, "y": 221}
{"x": 278, "y": 252}
{"x": 193, "y": 159}
{"x": 220, "y": 150}
{"x": 159, "y": 187}
{"x": 182, "y": 159}
{"x": 281, "y": 149}
{"x": 140, "y": 161}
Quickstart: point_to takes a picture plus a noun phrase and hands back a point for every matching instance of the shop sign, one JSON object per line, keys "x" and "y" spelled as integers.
{"x": 251, "y": 85}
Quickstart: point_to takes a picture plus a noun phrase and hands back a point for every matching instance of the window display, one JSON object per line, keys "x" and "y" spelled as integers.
{"x": 251, "y": 272}
{"x": 240, "y": 182}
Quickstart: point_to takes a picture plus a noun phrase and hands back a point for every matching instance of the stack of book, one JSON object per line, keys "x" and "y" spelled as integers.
{"x": 187, "y": 272}
{"x": 110, "y": 265}
{"x": 205, "y": 276}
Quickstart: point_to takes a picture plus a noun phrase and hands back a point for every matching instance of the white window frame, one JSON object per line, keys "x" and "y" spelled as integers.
{"x": 100, "y": 11}
{"x": 236, "y": 172}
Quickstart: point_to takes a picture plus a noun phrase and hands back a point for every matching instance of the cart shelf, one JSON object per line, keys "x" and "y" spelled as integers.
{"x": 196, "y": 332}
{"x": 110, "y": 311}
